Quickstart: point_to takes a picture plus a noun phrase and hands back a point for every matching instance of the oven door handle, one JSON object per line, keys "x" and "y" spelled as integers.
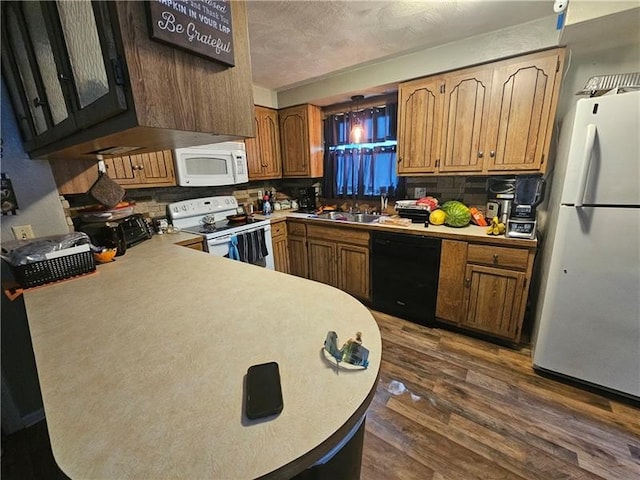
{"x": 220, "y": 241}
{"x": 226, "y": 238}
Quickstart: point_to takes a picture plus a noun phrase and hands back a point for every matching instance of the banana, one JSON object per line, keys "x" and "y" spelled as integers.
{"x": 496, "y": 227}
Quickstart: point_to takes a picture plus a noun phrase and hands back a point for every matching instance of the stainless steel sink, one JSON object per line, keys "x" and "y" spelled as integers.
{"x": 348, "y": 217}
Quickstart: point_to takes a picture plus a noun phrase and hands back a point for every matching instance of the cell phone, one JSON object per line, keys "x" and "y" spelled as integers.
{"x": 263, "y": 392}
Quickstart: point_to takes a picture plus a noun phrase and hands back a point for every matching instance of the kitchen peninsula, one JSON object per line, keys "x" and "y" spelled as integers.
{"x": 142, "y": 364}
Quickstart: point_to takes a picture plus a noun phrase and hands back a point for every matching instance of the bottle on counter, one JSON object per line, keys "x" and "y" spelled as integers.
{"x": 266, "y": 206}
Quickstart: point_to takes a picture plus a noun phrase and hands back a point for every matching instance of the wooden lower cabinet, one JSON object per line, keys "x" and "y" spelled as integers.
{"x": 297, "y": 243}
{"x": 491, "y": 285}
{"x": 322, "y": 261}
{"x": 339, "y": 257}
{"x": 280, "y": 247}
{"x": 354, "y": 271}
{"x": 492, "y": 301}
{"x": 194, "y": 244}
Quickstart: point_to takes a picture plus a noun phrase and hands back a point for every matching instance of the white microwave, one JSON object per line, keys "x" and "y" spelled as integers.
{"x": 211, "y": 165}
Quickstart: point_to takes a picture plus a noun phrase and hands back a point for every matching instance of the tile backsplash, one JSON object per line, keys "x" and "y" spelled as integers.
{"x": 469, "y": 190}
{"x": 153, "y": 202}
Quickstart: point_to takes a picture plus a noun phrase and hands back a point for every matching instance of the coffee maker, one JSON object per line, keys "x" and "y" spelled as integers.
{"x": 529, "y": 193}
{"x": 501, "y": 192}
{"x": 307, "y": 200}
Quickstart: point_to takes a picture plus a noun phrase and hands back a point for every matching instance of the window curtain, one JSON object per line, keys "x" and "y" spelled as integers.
{"x": 367, "y": 171}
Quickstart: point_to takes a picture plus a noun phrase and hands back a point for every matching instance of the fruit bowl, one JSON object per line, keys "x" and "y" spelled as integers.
{"x": 105, "y": 256}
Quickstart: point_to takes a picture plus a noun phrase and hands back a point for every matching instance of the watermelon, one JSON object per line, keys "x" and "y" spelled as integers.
{"x": 458, "y": 214}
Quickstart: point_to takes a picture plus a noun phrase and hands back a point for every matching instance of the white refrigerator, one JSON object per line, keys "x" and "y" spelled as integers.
{"x": 588, "y": 310}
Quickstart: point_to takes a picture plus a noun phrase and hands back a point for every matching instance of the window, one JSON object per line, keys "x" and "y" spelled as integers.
{"x": 366, "y": 169}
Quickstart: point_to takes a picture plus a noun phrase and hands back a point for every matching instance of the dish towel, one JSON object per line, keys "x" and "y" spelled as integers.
{"x": 252, "y": 246}
{"x": 233, "y": 248}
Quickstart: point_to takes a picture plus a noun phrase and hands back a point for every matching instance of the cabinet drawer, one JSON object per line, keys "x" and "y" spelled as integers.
{"x": 278, "y": 229}
{"x": 498, "y": 256}
{"x": 339, "y": 234}
{"x": 297, "y": 228}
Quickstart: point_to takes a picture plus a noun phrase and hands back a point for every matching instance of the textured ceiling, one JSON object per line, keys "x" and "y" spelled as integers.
{"x": 296, "y": 41}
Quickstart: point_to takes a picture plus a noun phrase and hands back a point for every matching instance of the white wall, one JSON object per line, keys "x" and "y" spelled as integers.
{"x": 265, "y": 97}
{"x": 32, "y": 182}
{"x": 381, "y": 76}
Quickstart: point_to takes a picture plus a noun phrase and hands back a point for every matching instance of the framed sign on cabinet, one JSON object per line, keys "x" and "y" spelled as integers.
{"x": 202, "y": 27}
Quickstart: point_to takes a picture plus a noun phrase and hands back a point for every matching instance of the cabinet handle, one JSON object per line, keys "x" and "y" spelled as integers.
{"x": 467, "y": 282}
{"x": 62, "y": 76}
{"x": 495, "y": 258}
{"x": 480, "y": 154}
{"x": 492, "y": 153}
{"x": 38, "y": 103}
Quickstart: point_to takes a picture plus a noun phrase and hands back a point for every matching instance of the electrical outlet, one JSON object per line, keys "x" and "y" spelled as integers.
{"x": 22, "y": 232}
{"x": 420, "y": 192}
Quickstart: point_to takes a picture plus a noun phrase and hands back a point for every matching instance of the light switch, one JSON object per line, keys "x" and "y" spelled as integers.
{"x": 420, "y": 192}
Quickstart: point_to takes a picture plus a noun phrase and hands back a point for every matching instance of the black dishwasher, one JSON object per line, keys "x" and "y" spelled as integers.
{"x": 405, "y": 275}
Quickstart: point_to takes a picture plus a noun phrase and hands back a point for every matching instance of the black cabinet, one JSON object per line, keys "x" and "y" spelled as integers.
{"x": 61, "y": 66}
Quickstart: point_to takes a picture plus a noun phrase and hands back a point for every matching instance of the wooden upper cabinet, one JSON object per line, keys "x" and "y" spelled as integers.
{"x": 146, "y": 170}
{"x": 494, "y": 118}
{"x": 301, "y": 141}
{"x": 133, "y": 92}
{"x": 419, "y": 124}
{"x": 263, "y": 151}
{"x": 524, "y": 98}
{"x": 464, "y": 120}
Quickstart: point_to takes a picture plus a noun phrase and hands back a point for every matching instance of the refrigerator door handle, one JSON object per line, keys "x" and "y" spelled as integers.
{"x": 585, "y": 164}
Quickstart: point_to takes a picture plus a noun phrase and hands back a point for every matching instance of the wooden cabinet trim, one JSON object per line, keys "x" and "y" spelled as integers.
{"x": 453, "y": 264}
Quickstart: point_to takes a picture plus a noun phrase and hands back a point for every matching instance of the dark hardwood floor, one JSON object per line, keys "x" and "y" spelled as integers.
{"x": 476, "y": 410}
{"x": 471, "y": 410}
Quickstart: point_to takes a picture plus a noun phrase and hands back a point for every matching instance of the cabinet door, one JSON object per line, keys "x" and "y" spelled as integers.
{"x": 523, "y": 104}
{"x": 353, "y": 270}
{"x": 492, "y": 301}
{"x": 145, "y": 169}
{"x": 281, "y": 254}
{"x": 298, "y": 264}
{"x": 464, "y": 120}
{"x": 91, "y": 71}
{"x": 322, "y": 261}
{"x": 29, "y": 65}
{"x": 63, "y": 67}
{"x": 295, "y": 141}
{"x": 263, "y": 151}
{"x": 419, "y": 123}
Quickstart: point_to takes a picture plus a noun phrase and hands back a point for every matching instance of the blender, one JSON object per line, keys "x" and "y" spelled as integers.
{"x": 501, "y": 192}
{"x": 529, "y": 192}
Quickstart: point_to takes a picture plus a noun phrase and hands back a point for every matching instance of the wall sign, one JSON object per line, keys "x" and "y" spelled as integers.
{"x": 202, "y": 27}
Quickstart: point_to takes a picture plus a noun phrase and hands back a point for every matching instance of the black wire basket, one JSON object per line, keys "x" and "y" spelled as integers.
{"x": 54, "y": 269}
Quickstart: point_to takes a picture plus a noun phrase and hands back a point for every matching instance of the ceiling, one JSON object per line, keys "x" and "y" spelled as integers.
{"x": 297, "y": 42}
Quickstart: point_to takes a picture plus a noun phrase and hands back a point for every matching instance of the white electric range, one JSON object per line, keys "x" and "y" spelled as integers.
{"x": 207, "y": 216}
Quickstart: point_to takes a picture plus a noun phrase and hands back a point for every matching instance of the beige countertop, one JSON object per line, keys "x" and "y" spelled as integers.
{"x": 141, "y": 366}
{"x": 471, "y": 233}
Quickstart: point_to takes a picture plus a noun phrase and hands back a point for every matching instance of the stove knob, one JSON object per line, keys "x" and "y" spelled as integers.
{"x": 184, "y": 207}
{"x": 226, "y": 200}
